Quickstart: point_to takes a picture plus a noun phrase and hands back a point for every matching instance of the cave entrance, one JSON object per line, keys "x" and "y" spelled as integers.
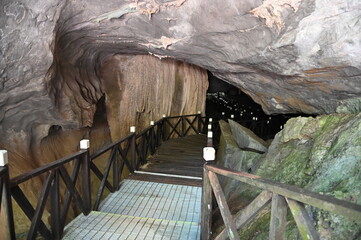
{"x": 225, "y": 101}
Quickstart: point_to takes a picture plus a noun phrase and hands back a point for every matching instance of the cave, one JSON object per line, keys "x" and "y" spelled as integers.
{"x": 92, "y": 69}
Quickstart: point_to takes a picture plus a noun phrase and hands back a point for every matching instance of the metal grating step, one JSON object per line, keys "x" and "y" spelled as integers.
{"x": 155, "y": 200}
{"x": 142, "y": 210}
{"x": 99, "y": 225}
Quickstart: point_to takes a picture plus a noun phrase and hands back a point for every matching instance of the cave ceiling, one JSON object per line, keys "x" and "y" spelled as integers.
{"x": 290, "y": 56}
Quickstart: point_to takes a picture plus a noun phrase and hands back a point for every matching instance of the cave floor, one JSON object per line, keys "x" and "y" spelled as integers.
{"x": 180, "y": 156}
{"x": 142, "y": 210}
{"x": 149, "y": 206}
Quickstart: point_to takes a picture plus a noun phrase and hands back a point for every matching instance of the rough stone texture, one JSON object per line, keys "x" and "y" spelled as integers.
{"x": 129, "y": 91}
{"x": 246, "y": 139}
{"x": 320, "y": 154}
{"x": 231, "y": 156}
{"x": 288, "y": 55}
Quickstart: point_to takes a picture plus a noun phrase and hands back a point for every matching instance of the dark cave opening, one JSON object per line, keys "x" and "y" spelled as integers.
{"x": 225, "y": 101}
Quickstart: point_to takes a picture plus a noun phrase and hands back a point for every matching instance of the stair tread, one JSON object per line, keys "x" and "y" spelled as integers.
{"x": 100, "y": 225}
{"x": 142, "y": 210}
{"x": 156, "y": 200}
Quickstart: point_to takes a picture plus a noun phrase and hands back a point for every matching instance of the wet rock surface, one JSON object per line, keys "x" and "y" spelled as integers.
{"x": 319, "y": 154}
{"x": 231, "y": 156}
{"x": 246, "y": 139}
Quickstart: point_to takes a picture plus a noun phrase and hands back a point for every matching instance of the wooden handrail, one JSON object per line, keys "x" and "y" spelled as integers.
{"x": 5, "y": 201}
{"x": 40, "y": 170}
{"x": 107, "y": 148}
{"x": 182, "y": 116}
{"x": 331, "y": 204}
{"x": 150, "y": 139}
{"x": 281, "y": 195}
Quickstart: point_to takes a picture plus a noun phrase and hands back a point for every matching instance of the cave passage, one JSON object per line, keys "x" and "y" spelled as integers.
{"x": 225, "y": 101}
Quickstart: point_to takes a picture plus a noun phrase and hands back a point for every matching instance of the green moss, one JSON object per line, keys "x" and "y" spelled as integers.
{"x": 291, "y": 169}
{"x": 257, "y": 229}
{"x": 322, "y": 156}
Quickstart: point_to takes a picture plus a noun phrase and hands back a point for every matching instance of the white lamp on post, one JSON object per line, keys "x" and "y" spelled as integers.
{"x": 3, "y": 158}
{"x": 209, "y": 153}
{"x": 84, "y": 144}
{"x": 132, "y": 129}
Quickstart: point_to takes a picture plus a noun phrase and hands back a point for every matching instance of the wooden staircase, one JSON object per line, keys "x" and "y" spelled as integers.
{"x": 142, "y": 210}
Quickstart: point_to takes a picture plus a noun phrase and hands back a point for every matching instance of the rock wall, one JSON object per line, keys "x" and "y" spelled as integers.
{"x": 320, "y": 154}
{"x": 127, "y": 91}
{"x": 289, "y": 56}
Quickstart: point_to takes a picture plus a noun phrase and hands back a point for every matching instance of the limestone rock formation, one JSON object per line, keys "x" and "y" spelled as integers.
{"x": 246, "y": 139}
{"x": 62, "y": 61}
{"x": 319, "y": 154}
{"x": 128, "y": 91}
{"x": 231, "y": 156}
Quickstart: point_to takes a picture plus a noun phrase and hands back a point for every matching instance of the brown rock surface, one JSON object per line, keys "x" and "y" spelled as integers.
{"x": 58, "y": 58}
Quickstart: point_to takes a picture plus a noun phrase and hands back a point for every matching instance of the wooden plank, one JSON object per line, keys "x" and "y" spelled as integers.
{"x": 46, "y": 168}
{"x": 206, "y": 217}
{"x": 71, "y": 187}
{"x": 278, "y": 218}
{"x": 169, "y": 180}
{"x": 8, "y": 202}
{"x": 28, "y": 209}
{"x": 223, "y": 207}
{"x": 115, "y": 173}
{"x": 244, "y": 216}
{"x": 100, "y": 175}
{"x": 304, "y": 222}
{"x": 181, "y": 156}
{"x": 341, "y": 207}
{"x": 189, "y": 115}
{"x": 105, "y": 176}
{"x": 55, "y": 208}
{"x": 110, "y": 146}
{"x": 133, "y": 152}
{"x": 40, "y": 207}
{"x": 68, "y": 196}
{"x": 86, "y": 185}
{"x": 125, "y": 159}
{"x": 173, "y": 128}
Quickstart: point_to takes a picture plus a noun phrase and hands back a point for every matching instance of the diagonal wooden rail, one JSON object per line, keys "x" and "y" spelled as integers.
{"x": 130, "y": 152}
{"x": 281, "y": 195}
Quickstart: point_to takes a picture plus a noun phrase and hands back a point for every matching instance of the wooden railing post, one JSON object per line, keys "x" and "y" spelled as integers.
{"x": 55, "y": 207}
{"x": 199, "y": 116}
{"x": 132, "y": 148}
{"x": 158, "y": 136}
{"x": 183, "y": 126}
{"x": 151, "y": 138}
{"x": 116, "y": 169}
{"x": 6, "y": 195}
{"x": 84, "y": 145}
{"x": 164, "y": 128}
{"x": 206, "y": 211}
{"x": 278, "y": 218}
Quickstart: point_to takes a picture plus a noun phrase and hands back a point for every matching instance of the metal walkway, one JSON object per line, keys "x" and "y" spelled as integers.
{"x": 147, "y": 209}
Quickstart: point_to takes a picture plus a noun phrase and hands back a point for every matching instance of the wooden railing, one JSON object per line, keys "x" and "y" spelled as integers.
{"x": 130, "y": 152}
{"x": 118, "y": 158}
{"x": 5, "y": 202}
{"x": 53, "y": 173}
{"x": 180, "y": 126}
{"x": 280, "y": 196}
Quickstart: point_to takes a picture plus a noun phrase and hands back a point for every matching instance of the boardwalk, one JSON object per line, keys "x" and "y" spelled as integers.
{"x": 152, "y": 209}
